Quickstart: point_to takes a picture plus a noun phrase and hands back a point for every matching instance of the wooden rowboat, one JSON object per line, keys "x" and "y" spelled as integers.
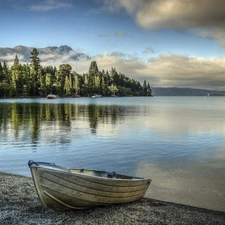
{"x": 61, "y": 188}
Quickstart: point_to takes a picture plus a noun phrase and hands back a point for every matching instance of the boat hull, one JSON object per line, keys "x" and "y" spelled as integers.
{"x": 60, "y": 188}
{"x": 96, "y": 96}
{"x": 51, "y": 96}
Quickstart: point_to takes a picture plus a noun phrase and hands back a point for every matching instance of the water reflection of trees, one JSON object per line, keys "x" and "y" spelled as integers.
{"x": 103, "y": 114}
{"x": 32, "y": 116}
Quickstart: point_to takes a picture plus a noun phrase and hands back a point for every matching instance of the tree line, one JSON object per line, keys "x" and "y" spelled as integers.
{"x": 34, "y": 80}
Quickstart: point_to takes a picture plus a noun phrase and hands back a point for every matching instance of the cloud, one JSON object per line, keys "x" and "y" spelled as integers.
{"x": 176, "y": 14}
{"x": 186, "y": 71}
{"x": 148, "y": 50}
{"x": 204, "y": 17}
{"x": 9, "y": 58}
{"x": 48, "y": 5}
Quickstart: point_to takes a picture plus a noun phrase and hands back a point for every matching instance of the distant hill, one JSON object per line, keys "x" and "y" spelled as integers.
{"x": 159, "y": 91}
{"x": 45, "y": 54}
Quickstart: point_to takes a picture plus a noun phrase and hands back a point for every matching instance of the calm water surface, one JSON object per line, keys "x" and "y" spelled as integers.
{"x": 178, "y": 142}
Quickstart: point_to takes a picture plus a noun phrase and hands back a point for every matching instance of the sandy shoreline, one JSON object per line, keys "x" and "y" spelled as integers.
{"x": 19, "y": 204}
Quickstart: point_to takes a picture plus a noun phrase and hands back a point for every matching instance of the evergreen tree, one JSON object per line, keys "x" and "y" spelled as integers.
{"x": 17, "y": 81}
{"x": 75, "y": 82}
{"x": 108, "y": 79}
{"x": 93, "y": 79}
{"x": 27, "y": 82}
{"x": 114, "y": 76}
{"x": 64, "y": 78}
{"x": 145, "y": 87}
{"x": 93, "y": 69}
{"x": 149, "y": 90}
{"x": 113, "y": 89}
{"x": 6, "y": 73}
{"x": 16, "y": 61}
{"x": 1, "y": 73}
{"x": 35, "y": 72}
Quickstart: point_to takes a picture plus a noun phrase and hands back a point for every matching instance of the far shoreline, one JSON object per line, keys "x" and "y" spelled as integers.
{"x": 24, "y": 97}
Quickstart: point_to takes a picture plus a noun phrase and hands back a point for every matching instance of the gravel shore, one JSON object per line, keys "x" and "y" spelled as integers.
{"x": 19, "y": 204}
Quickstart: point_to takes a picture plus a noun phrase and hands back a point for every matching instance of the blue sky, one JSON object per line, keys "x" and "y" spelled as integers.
{"x": 169, "y": 43}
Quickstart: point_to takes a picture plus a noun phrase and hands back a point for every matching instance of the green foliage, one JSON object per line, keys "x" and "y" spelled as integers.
{"x": 17, "y": 77}
{"x": 35, "y": 80}
{"x": 6, "y": 73}
{"x": 6, "y": 90}
{"x": 93, "y": 69}
{"x": 35, "y": 73}
{"x": 1, "y": 73}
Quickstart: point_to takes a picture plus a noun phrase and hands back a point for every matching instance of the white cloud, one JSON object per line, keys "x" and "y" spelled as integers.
{"x": 48, "y": 5}
{"x": 10, "y": 58}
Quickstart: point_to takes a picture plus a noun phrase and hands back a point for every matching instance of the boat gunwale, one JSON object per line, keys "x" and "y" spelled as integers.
{"x": 68, "y": 171}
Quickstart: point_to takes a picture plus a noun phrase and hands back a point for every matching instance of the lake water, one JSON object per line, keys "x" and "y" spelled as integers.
{"x": 178, "y": 142}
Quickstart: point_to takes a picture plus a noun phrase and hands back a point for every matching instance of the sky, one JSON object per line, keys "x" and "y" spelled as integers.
{"x": 168, "y": 43}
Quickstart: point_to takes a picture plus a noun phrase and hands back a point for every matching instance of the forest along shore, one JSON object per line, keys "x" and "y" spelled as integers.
{"x": 19, "y": 204}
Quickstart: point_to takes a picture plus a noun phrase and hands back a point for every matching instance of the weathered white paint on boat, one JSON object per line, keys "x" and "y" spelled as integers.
{"x": 61, "y": 188}
{"x": 96, "y": 96}
{"x": 51, "y": 96}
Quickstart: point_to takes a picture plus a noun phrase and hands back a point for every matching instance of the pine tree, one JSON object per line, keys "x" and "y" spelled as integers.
{"x": 75, "y": 83}
{"x": 64, "y": 78}
{"x": 93, "y": 69}
{"x": 145, "y": 87}
{"x": 16, "y": 72}
{"x": 149, "y": 90}
{"x": 1, "y": 73}
{"x": 26, "y": 79}
{"x": 16, "y": 61}
{"x": 6, "y": 73}
{"x": 35, "y": 72}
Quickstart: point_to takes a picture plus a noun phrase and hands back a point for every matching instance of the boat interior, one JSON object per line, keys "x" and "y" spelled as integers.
{"x": 101, "y": 174}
